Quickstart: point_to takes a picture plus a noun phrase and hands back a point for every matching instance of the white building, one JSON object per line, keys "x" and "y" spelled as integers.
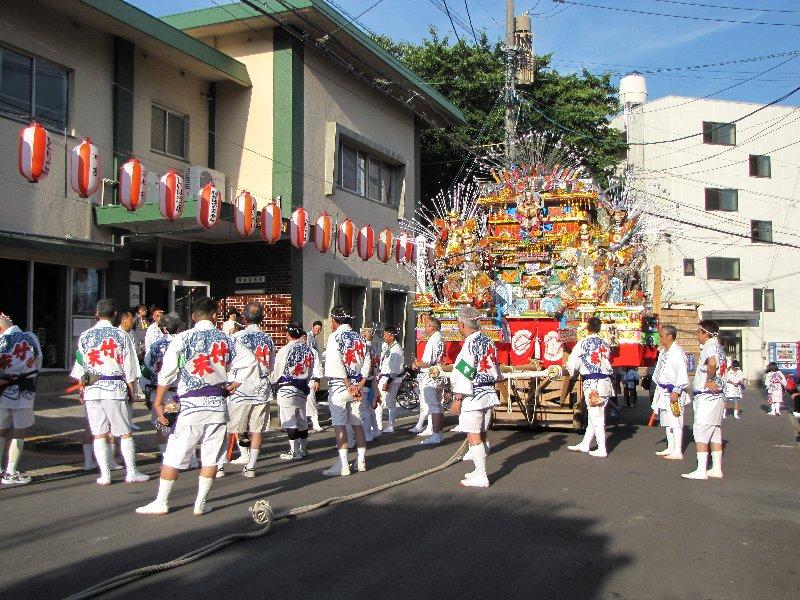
{"x": 726, "y": 186}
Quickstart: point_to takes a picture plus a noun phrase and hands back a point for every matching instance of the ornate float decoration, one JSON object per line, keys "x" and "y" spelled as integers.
{"x": 539, "y": 247}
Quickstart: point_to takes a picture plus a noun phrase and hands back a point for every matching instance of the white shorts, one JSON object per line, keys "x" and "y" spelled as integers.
{"x": 293, "y": 418}
{"x": 183, "y": 440}
{"x": 343, "y": 409}
{"x": 707, "y": 434}
{"x": 667, "y": 419}
{"x": 474, "y": 421}
{"x": 389, "y": 397}
{"x": 248, "y": 417}
{"x": 108, "y": 416}
{"x": 432, "y": 397}
{"x": 19, "y": 418}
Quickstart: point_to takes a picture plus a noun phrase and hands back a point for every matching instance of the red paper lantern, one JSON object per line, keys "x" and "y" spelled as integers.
{"x": 132, "y": 188}
{"x": 208, "y": 205}
{"x": 34, "y": 152}
{"x": 271, "y": 222}
{"x": 403, "y": 248}
{"x": 246, "y": 214}
{"x": 322, "y": 232}
{"x": 366, "y": 242}
{"x": 345, "y": 242}
{"x": 298, "y": 228}
{"x": 86, "y": 170}
{"x": 170, "y": 195}
{"x": 385, "y": 245}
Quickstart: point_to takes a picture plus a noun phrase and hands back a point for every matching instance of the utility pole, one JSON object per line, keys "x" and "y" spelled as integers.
{"x": 511, "y": 77}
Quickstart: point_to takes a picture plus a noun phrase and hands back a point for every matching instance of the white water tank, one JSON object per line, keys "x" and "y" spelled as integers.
{"x": 632, "y": 89}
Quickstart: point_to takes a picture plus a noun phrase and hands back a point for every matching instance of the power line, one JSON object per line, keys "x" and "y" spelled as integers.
{"x": 450, "y": 17}
{"x": 748, "y": 8}
{"x": 688, "y": 17}
{"x": 491, "y": 16}
{"x": 581, "y": 135}
{"x": 469, "y": 16}
{"x": 358, "y": 16}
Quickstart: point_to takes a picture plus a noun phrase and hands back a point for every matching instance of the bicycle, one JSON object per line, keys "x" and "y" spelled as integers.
{"x": 408, "y": 393}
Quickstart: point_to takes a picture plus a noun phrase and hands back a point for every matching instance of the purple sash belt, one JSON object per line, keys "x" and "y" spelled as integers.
{"x": 206, "y": 391}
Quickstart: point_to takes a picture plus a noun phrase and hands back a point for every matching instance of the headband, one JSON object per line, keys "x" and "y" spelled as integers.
{"x": 706, "y": 330}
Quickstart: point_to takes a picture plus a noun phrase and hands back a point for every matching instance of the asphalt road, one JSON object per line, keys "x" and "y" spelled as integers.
{"x": 554, "y": 524}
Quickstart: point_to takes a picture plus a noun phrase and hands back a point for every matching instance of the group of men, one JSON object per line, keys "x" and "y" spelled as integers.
{"x": 205, "y": 385}
{"x": 590, "y": 358}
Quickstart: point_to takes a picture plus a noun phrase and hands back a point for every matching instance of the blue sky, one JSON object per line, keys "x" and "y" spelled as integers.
{"x": 618, "y": 41}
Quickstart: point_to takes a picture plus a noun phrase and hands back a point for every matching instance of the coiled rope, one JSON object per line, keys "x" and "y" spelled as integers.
{"x": 194, "y": 555}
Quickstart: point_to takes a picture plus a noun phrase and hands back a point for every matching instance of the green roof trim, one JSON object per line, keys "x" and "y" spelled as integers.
{"x": 167, "y": 34}
{"x": 227, "y": 13}
{"x": 238, "y": 10}
{"x": 110, "y": 216}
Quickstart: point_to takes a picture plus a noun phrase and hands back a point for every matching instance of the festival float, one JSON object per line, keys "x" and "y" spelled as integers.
{"x": 539, "y": 247}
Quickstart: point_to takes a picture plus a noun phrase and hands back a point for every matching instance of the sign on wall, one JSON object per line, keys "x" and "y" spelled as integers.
{"x": 252, "y": 279}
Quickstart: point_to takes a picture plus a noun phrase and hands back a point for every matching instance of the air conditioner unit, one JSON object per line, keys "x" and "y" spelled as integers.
{"x": 197, "y": 176}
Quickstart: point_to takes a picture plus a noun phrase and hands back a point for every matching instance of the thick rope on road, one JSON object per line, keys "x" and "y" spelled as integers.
{"x": 142, "y": 572}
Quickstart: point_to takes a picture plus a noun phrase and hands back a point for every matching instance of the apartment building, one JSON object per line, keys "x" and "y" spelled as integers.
{"x": 228, "y": 94}
{"x": 723, "y": 178}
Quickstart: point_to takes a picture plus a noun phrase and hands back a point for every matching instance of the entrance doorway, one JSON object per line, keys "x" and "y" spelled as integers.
{"x": 731, "y": 342}
{"x": 165, "y": 292}
{"x": 184, "y": 293}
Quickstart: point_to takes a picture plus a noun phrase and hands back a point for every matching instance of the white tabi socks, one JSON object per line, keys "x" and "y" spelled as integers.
{"x": 716, "y": 464}
{"x": 677, "y": 444}
{"x": 101, "y": 458}
{"x": 340, "y": 467}
{"x": 702, "y": 465}
{"x": 600, "y": 434}
{"x": 251, "y": 463}
{"x": 379, "y": 416}
{"x": 14, "y": 452}
{"x": 159, "y": 506}
{"x": 478, "y": 477}
{"x": 670, "y": 443}
{"x": 203, "y": 487}
{"x": 128, "y": 449}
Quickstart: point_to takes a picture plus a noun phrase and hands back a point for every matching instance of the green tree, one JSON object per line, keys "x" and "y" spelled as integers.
{"x": 471, "y": 75}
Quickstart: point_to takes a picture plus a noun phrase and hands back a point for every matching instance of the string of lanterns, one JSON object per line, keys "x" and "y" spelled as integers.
{"x": 85, "y": 177}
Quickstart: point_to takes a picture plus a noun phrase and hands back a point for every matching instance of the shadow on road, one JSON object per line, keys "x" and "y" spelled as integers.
{"x": 380, "y": 548}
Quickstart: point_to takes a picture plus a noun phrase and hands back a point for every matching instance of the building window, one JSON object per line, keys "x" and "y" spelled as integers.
{"x": 760, "y": 166}
{"x": 722, "y": 199}
{"x": 168, "y": 132}
{"x": 366, "y": 175}
{"x": 719, "y": 133}
{"x": 718, "y": 267}
{"x": 763, "y": 299}
{"x": 33, "y": 88}
{"x": 688, "y": 267}
{"x": 761, "y": 231}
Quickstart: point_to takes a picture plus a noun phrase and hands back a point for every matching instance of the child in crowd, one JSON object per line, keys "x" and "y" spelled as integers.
{"x": 734, "y": 385}
{"x": 775, "y": 382}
